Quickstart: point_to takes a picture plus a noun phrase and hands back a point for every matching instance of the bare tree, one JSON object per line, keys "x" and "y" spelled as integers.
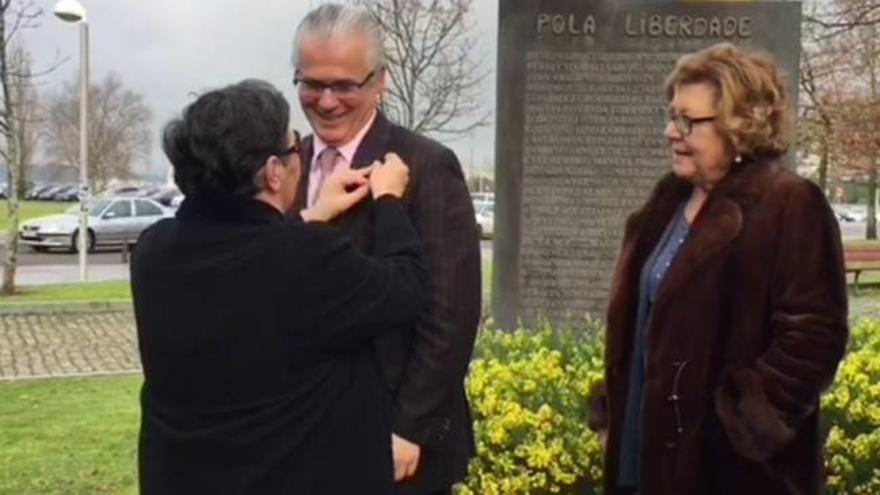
{"x": 118, "y": 129}
{"x": 15, "y": 79}
{"x": 839, "y": 18}
{"x": 29, "y": 117}
{"x": 435, "y": 78}
{"x": 859, "y": 122}
{"x": 822, "y": 69}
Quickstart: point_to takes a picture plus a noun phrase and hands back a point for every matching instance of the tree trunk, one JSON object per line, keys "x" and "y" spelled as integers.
{"x": 872, "y": 199}
{"x": 10, "y": 264}
{"x": 11, "y": 96}
{"x": 823, "y": 167}
{"x": 871, "y": 63}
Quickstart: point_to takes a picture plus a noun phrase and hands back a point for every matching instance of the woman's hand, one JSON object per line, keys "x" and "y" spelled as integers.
{"x": 389, "y": 178}
{"x": 342, "y": 190}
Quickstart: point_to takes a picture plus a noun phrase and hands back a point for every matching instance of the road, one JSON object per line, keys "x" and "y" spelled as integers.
{"x": 106, "y": 263}
{"x": 28, "y": 257}
{"x": 852, "y": 230}
{"x": 62, "y": 267}
{"x": 56, "y": 267}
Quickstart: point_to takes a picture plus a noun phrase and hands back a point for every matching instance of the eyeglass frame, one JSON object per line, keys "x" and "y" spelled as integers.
{"x": 339, "y": 89}
{"x": 296, "y": 147}
{"x": 685, "y": 124}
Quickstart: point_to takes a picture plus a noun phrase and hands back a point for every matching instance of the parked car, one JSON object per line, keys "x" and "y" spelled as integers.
{"x": 852, "y": 212}
{"x": 166, "y": 195}
{"x": 483, "y": 197}
{"x": 147, "y": 191}
{"x": 127, "y": 191}
{"x": 111, "y": 221}
{"x": 67, "y": 192}
{"x": 35, "y": 191}
{"x": 486, "y": 220}
{"x": 843, "y": 216}
{"x": 48, "y": 193}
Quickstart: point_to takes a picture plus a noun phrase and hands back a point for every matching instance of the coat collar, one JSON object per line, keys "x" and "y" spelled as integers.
{"x": 223, "y": 209}
{"x": 718, "y": 224}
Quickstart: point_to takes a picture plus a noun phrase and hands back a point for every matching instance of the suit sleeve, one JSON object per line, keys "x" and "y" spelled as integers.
{"x": 356, "y": 296}
{"x": 444, "y": 334}
{"x": 762, "y": 403}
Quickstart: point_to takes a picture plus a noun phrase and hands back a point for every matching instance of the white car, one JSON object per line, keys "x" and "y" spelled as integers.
{"x": 486, "y": 220}
{"x": 111, "y": 221}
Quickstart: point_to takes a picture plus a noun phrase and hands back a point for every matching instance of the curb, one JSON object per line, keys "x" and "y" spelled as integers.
{"x": 86, "y": 374}
{"x": 66, "y": 308}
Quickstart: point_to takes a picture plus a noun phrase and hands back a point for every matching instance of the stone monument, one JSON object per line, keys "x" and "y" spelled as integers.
{"x": 579, "y": 133}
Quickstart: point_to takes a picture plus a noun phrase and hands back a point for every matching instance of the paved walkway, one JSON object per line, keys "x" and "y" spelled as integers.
{"x": 50, "y": 345}
{"x": 65, "y": 344}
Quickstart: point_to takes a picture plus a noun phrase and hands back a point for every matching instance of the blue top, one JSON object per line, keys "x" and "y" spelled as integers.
{"x": 653, "y": 273}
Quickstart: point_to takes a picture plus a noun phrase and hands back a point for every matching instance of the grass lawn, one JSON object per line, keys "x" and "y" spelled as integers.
{"x": 88, "y": 292}
{"x": 69, "y": 436}
{"x": 31, "y": 209}
{"x": 79, "y": 435}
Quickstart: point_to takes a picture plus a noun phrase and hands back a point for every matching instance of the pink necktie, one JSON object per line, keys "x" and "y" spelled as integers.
{"x": 327, "y": 161}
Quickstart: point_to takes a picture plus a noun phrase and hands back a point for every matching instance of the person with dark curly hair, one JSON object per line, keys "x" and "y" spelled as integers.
{"x": 728, "y": 309}
{"x": 254, "y": 328}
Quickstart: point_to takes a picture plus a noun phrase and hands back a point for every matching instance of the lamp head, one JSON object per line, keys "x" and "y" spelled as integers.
{"x": 70, "y": 11}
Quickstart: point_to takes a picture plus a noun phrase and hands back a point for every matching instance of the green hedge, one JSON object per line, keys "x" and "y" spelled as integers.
{"x": 851, "y": 409}
{"x": 529, "y": 391}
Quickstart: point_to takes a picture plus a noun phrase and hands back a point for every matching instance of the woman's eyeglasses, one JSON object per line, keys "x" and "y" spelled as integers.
{"x": 295, "y": 147}
{"x": 685, "y": 124}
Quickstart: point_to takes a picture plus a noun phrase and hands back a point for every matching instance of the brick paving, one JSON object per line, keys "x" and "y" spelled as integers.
{"x": 51, "y": 345}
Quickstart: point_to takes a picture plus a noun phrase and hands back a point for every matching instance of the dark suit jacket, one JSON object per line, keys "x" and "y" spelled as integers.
{"x": 255, "y": 332}
{"x": 424, "y": 367}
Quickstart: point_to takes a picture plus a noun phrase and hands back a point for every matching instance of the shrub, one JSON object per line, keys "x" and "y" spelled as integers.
{"x": 852, "y": 411}
{"x": 528, "y": 391}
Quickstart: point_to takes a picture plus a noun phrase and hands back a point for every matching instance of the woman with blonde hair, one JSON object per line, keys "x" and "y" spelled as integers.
{"x": 728, "y": 310}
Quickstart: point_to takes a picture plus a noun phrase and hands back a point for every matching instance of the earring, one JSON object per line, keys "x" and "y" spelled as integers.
{"x": 737, "y": 159}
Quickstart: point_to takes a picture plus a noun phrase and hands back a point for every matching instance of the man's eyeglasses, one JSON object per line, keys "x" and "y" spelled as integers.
{"x": 685, "y": 124}
{"x": 312, "y": 88}
{"x": 295, "y": 147}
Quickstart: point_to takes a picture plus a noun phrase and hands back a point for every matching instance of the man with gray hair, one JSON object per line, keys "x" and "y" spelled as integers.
{"x": 339, "y": 77}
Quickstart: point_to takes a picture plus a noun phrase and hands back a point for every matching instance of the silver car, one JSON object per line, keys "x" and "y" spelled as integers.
{"x": 111, "y": 221}
{"x": 486, "y": 220}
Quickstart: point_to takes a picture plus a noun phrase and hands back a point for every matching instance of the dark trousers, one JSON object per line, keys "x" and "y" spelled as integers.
{"x": 626, "y": 491}
{"x": 443, "y": 491}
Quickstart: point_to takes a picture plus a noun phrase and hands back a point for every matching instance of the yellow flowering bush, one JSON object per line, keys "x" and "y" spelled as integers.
{"x": 528, "y": 391}
{"x": 851, "y": 409}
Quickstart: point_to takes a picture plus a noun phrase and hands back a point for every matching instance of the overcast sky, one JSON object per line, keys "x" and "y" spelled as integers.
{"x": 167, "y": 49}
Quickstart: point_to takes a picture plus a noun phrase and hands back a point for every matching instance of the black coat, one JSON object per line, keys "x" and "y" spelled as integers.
{"x": 425, "y": 365}
{"x": 254, "y": 332}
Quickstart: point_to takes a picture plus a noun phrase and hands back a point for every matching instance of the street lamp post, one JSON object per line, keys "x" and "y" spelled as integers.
{"x": 73, "y": 11}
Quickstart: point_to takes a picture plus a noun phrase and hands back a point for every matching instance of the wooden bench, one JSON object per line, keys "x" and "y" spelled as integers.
{"x": 861, "y": 256}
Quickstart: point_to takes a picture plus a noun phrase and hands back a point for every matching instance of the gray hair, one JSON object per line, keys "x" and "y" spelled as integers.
{"x": 334, "y": 20}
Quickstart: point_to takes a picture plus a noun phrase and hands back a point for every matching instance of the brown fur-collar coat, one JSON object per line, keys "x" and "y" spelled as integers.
{"x": 747, "y": 330}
